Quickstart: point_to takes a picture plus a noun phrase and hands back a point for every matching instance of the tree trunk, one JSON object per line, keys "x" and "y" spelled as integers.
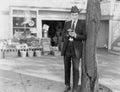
{"x": 89, "y": 78}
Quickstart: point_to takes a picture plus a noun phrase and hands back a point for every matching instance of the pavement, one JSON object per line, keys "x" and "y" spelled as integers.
{"x": 46, "y": 73}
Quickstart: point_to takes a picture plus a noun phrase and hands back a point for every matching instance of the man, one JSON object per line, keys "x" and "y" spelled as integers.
{"x": 72, "y": 37}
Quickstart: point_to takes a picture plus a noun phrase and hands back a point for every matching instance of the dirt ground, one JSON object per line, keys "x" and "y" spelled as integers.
{"x": 46, "y": 73}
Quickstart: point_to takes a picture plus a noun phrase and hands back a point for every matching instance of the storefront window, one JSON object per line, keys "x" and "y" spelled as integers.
{"x": 19, "y": 24}
{"x": 24, "y": 26}
{"x": 24, "y": 21}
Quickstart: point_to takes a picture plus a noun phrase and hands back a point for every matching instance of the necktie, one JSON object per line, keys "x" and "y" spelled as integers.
{"x": 73, "y": 26}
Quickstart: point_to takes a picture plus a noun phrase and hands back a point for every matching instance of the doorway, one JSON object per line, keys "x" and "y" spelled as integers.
{"x": 54, "y": 31}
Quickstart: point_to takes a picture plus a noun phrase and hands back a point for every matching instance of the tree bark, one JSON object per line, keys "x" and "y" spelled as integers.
{"x": 89, "y": 78}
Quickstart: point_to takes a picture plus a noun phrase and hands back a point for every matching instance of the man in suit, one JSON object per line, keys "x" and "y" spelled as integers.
{"x": 72, "y": 37}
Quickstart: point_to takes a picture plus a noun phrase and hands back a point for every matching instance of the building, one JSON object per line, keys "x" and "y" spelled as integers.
{"x": 41, "y": 12}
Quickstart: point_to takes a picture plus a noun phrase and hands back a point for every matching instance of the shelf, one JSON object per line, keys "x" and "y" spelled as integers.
{"x": 24, "y": 27}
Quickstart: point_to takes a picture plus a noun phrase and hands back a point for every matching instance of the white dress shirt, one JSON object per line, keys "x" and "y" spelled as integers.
{"x": 75, "y": 23}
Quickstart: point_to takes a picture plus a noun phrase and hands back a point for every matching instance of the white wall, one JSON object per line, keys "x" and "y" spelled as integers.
{"x": 102, "y": 38}
{"x": 4, "y": 25}
{"x": 35, "y": 3}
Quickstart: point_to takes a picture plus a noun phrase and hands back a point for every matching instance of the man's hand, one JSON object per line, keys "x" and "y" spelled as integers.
{"x": 72, "y": 34}
{"x": 69, "y": 30}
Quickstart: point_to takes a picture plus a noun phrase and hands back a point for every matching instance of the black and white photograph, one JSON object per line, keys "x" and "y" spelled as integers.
{"x": 60, "y": 46}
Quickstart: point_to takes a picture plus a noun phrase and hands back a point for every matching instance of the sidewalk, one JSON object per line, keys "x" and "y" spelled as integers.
{"x": 46, "y": 73}
{"x": 109, "y": 70}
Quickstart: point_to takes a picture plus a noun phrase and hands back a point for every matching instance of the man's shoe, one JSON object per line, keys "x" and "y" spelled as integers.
{"x": 75, "y": 90}
{"x": 67, "y": 88}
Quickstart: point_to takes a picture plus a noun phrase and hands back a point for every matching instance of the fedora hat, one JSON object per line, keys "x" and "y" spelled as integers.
{"x": 74, "y": 9}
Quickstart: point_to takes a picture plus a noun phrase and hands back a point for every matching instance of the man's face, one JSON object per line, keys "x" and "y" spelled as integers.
{"x": 74, "y": 16}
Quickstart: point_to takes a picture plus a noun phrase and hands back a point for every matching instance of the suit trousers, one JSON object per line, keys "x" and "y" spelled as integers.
{"x": 71, "y": 59}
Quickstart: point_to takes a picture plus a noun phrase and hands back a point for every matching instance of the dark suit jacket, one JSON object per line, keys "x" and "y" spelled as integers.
{"x": 81, "y": 35}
